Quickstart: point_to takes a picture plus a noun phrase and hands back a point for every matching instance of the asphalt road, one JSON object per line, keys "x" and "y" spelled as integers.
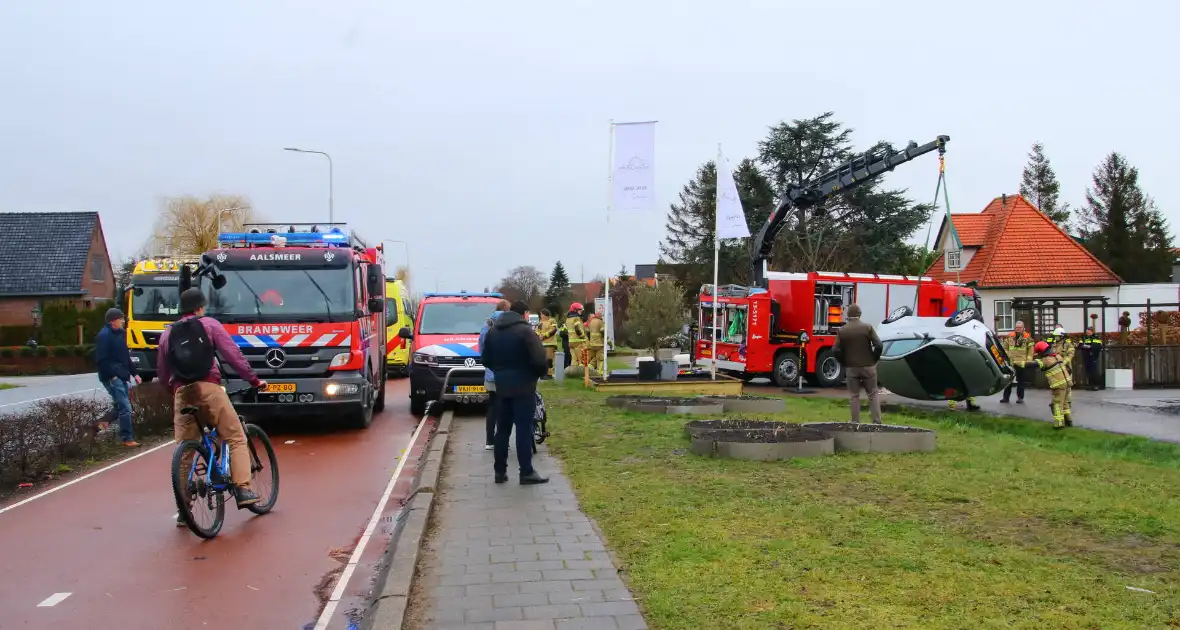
{"x": 35, "y": 388}
{"x": 105, "y": 553}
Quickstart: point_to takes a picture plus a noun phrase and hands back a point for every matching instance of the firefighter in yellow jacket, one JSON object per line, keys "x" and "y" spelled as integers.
{"x": 596, "y": 334}
{"x": 547, "y": 331}
{"x": 576, "y": 332}
{"x": 1019, "y": 346}
{"x": 1052, "y": 365}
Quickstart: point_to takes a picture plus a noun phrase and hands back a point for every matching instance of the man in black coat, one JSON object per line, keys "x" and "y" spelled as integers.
{"x": 515, "y": 354}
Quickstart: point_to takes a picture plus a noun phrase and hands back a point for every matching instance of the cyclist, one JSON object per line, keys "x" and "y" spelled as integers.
{"x": 188, "y": 354}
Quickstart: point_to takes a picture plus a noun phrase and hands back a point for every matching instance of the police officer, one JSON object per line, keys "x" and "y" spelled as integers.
{"x": 547, "y": 331}
{"x": 596, "y": 334}
{"x": 1053, "y": 367}
{"x": 1019, "y": 346}
{"x": 576, "y": 333}
{"x": 1091, "y": 347}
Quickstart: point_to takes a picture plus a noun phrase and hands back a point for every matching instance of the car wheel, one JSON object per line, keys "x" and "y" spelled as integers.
{"x": 898, "y": 313}
{"x": 828, "y": 370}
{"x": 786, "y": 369}
{"x": 417, "y": 405}
{"x": 962, "y": 317}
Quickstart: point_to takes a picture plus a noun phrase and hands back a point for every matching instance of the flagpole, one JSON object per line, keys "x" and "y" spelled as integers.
{"x": 606, "y": 309}
{"x": 716, "y": 258}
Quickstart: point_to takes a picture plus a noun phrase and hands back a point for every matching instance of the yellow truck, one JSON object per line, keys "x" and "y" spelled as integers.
{"x": 398, "y": 314}
{"x": 153, "y": 303}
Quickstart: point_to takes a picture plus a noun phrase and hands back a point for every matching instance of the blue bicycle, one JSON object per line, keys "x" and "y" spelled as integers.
{"x": 208, "y": 477}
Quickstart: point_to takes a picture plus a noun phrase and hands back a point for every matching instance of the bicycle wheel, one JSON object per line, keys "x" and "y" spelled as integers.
{"x": 264, "y": 469}
{"x": 197, "y": 487}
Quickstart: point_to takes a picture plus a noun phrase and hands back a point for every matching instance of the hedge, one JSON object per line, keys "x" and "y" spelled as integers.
{"x": 56, "y": 434}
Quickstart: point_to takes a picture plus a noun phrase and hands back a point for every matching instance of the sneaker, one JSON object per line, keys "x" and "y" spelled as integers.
{"x": 1020, "y": 401}
{"x": 246, "y": 497}
{"x": 1005, "y": 401}
{"x": 533, "y": 479}
{"x": 488, "y": 447}
{"x": 501, "y": 477}
{"x": 130, "y": 443}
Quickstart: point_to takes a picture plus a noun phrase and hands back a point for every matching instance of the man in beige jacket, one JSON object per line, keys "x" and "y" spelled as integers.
{"x": 858, "y": 348}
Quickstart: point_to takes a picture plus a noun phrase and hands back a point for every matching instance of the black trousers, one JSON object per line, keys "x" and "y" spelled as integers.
{"x": 515, "y": 412}
{"x": 1094, "y": 373}
{"x": 1017, "y": 382}
{"x": 490, "y": 418}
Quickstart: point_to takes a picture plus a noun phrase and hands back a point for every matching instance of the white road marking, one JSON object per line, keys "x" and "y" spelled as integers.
{"x": 53, "y": 600}
{"x": 29, "y": 402}
{"x": 342, "y": 583}
{"x": 85, "y": 477}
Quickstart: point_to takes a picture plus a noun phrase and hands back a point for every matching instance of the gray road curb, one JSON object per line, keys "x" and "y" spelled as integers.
{"x": 396, "y": 578}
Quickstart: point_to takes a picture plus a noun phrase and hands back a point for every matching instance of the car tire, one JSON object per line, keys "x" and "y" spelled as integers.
{"x": 379, "y": 404}
{"x": 829, "y": 372}
{"x": 897, "y": 314}
{"x": 417, "y": 405}
{"x": 786, "y": 369}
{"x": 962, "y": 317}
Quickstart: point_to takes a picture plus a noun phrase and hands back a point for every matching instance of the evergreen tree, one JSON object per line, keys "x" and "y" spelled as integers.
{"x": 692, "y": 224}
{"x": 1121, "y": 225}
{"x": 557, "y": 296}
{"x": 863, "y": 229}
{"x": 1039, "y": 185}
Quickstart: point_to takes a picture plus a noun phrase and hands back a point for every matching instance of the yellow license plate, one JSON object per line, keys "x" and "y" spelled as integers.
{"x": 279, "y": 388}
{"x": 470, "y": 389}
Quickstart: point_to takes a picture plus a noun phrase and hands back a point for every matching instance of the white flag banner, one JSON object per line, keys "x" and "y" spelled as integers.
{"x": 731, "y": 219}
{"x": 633, "y": 183}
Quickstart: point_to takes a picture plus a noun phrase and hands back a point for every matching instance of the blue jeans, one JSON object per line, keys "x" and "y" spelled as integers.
{"x": 118, "y": 389}
{"x": 514, "y": 412}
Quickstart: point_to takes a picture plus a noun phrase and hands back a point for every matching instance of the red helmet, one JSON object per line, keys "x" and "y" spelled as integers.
{"x": 1041, "y": 347}
{"x": 576, "y": 306}
{"x": 271, "y": 298}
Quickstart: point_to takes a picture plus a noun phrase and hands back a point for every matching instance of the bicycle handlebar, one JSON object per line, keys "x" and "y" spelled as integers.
{"x": 243, "y": 390}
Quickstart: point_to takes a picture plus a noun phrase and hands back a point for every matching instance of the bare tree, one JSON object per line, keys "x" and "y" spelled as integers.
{"x": 402, "y": 273}
{"x": 523, "y": 283}
{"x": 189, "y": 225}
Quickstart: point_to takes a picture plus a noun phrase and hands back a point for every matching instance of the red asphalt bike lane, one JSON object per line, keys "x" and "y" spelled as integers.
{"x": 110, "y": 541}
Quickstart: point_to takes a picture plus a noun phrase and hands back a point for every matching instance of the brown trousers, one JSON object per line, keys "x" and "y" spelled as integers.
{"x": 864, "y": 378}
{"x": 217, "y": 411}
{"x": 550, "y": 352}
{"x": 595, "y": 357}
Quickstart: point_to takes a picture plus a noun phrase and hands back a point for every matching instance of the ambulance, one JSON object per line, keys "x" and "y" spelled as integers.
{"x": 153, "y": 303}
{"x": 398, "y": 315}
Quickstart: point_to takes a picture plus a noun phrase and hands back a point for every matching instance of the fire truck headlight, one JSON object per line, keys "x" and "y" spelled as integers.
{"x": 332, "y": 389}
{"x": 340, "y": 359}
{"x": 425, "y": 359}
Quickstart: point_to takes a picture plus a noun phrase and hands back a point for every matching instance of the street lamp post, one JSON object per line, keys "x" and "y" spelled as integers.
{"x": 331, "y": 212}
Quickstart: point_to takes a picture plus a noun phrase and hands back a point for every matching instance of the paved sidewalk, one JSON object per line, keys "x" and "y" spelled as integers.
{"x": 512, "y": 557}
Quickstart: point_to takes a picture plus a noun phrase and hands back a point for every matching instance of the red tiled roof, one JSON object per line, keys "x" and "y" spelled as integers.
{"x": 1018, "y": 246}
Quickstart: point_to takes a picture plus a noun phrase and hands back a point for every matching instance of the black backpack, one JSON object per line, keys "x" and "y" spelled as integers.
{"x": 190, "y": 351}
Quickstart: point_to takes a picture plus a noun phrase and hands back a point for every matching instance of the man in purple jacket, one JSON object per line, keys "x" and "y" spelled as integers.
{"x": 209, "y": 397}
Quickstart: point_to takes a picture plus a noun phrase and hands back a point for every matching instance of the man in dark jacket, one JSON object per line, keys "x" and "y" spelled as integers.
{"x": 116, "y": 371}
{"x": 513, "y": 351}
{"x": 858, "y": 347}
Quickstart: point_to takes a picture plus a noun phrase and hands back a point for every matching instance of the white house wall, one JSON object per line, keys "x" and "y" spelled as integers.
{"x": 1073, "y": 319}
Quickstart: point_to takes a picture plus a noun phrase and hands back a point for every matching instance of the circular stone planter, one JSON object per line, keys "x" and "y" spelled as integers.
{"x": 749, "y": 404}
{"x": 876, "y": 438}
{"x": 694, "y": 406}
{"x": 757, "y": 440}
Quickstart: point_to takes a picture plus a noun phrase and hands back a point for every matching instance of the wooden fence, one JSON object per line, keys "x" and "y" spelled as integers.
{"x": 1154, "y": 366}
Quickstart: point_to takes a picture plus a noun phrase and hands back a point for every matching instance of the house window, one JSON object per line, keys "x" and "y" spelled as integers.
{"x": 96, "y": 266}
{"x": 1005, "y": 318}
{"x": 954, "y": 259}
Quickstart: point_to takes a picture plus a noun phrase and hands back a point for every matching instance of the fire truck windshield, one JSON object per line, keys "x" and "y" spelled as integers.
{"x": 155, "y": 303}
{"x": 454, "y": 318}
{"x": 288, "y": 294}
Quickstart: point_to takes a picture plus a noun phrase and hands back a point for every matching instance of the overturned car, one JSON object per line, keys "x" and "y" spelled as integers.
{"x": 935, "y": 358}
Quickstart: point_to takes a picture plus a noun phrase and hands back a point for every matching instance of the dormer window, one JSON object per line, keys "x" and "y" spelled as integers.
{"x": 954, "y": 260}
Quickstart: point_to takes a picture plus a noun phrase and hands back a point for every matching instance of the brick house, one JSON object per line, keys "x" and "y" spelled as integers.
{"x": 51, "y": 256}
{"x": 1011, "y": 250}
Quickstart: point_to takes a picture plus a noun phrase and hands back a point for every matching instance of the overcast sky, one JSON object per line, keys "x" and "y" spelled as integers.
{"x": 478, "y": 131}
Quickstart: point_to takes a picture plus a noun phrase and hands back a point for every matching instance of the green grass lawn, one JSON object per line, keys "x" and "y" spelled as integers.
{"x": 4, "y": 386}
{"x": 1008, "y": 525}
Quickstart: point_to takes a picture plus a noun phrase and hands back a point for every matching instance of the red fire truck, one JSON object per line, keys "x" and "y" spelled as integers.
{"x": 789, "y": 328}
{"x": 306, "y": 305}
{"x": 785, "y": 325}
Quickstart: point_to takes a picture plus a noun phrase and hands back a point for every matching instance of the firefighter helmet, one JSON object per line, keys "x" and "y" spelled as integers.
{"x": 1041, "y": 347}
{"x": 576, "y": 306}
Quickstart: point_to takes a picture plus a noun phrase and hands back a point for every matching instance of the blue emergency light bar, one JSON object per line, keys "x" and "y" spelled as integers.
{"x": 333, "y": 237}
{"x": 463, "y": 294}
